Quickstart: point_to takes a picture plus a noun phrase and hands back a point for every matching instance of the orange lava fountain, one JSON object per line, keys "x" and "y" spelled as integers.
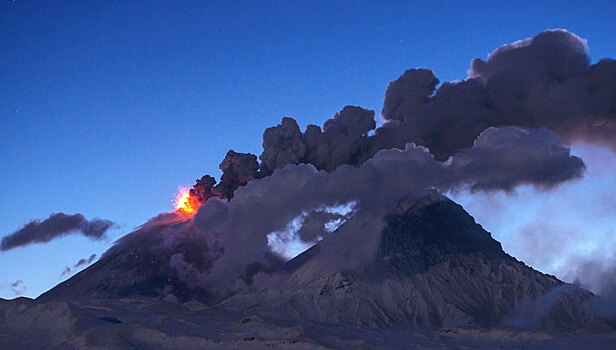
{"x": 183, "y": 202}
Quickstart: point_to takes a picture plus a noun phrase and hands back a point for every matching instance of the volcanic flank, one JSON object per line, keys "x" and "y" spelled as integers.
{"x": 435, "y": 270}
{"x": 435, "y": 267}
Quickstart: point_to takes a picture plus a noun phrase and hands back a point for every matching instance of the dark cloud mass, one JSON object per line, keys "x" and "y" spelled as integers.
{"x": 342, "y": 140}
{"x": 238, "y": 170}
{"x": 283, "y": 144}
{"x": 57, "y": 225}
{"x": 542, "y": 82}
{"x": 504, "y": 158}
{"x": 500, "y": 160}
{"x": 545, "y": 81}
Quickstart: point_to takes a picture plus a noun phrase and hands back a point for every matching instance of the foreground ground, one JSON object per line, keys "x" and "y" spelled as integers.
{"x": 154, "y": 324}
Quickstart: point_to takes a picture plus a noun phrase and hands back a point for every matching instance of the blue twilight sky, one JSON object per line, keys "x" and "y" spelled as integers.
{"x": 107, "y": 106}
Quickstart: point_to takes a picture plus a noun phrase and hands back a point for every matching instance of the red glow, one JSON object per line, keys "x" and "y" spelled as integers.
{"x": 184, "y": 203}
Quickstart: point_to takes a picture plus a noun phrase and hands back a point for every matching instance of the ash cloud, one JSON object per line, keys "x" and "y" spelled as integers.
{"x": 238, "y": 169}
{"x": 240, "y": 227}
{"x": 599, "y": 277}
{"x": 342, "y": 140}
{"x": 505, "y": 158}
{"x": 544, "y": 81}
{"x": 56, "y": 226}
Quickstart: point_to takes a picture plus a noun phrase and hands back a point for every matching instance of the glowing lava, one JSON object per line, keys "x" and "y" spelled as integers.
{"x": 183, "y": 202}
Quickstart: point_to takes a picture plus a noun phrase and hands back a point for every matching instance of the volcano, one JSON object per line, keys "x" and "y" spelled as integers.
{"x": 438, "y": 278}
{"x": 435, "y": 267}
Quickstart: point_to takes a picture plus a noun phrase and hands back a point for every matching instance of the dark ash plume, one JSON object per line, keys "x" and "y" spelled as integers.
{"x": 204, "y": 189}
{"x": 240, "y": 227}
{"x": 56, "y": 226}
{"x": 544, "y": 81}
{"x": 504, "y": 158}
{"x": 470, "y": 125}
{"x": 238, "y": 169}
{"x": 342, "y": 140}
{"x": 282, "y": 144}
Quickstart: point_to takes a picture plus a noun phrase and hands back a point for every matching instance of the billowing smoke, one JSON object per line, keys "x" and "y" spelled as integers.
{"x": 506, "y": 125}
{"x": 504, "y": 158}
{"x": 56, "y": 226}
{"x": 240, "y": 227}
{"x": 601, "y": 276}
{"x": 542, "y": 82}
{"x": 238, "y": 169}
{"x": 342, "y": 140}
{"x": 545, "y": 81}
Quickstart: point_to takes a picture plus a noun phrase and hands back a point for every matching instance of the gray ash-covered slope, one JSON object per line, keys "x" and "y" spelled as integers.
{"x": 138, "y": 265}
{"x": 435, "y": 267}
